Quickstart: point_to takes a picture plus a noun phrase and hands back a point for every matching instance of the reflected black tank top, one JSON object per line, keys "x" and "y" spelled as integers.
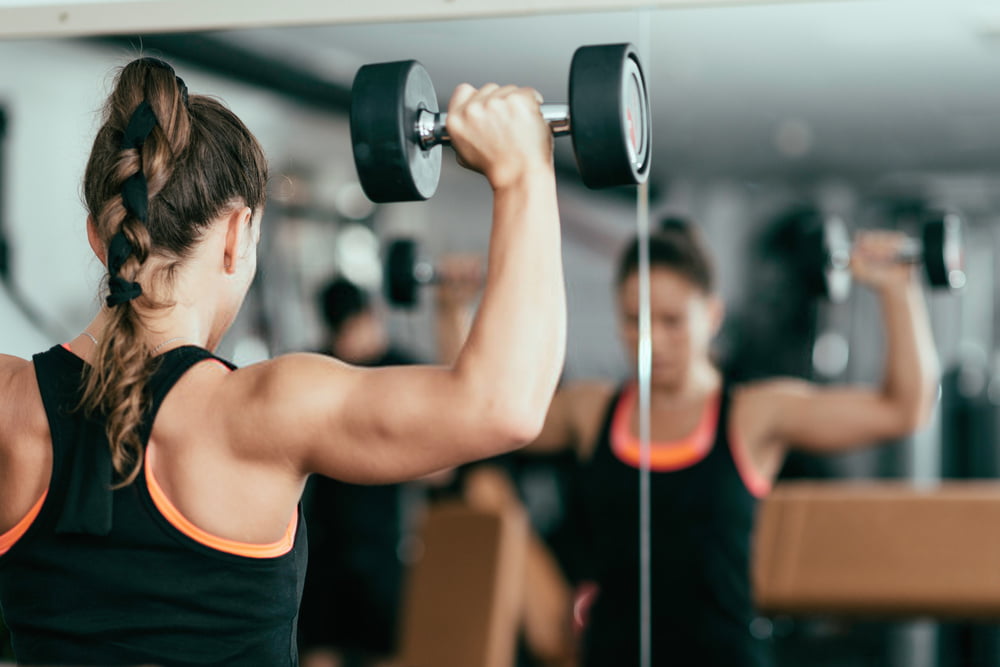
{"x": 702, "y": 517}
{"x": 101, "y": 577}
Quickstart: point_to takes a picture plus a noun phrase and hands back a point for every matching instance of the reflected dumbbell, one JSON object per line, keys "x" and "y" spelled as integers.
{"x": 397, "y": 129}
{"x": 404, "y": 273}
{"x": 940, "y": 250}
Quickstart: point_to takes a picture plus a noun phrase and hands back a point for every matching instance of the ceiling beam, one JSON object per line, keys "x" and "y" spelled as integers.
{"x": 31, "y": 18}
{"x": 249, "y": 66}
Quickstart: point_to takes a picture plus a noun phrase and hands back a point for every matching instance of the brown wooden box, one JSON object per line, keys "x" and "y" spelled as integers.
{"x": 462, "y": 606}
{"x": 879, "y": 549}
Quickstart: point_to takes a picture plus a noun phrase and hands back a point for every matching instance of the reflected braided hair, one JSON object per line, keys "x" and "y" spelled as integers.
{"x": 163, "y": 166}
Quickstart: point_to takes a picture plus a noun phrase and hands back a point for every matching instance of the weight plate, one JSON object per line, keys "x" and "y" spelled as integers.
{"x": 385, "y": 101}
{"x": 944, "y": 250}
{"x": 609, "y": 115}
{"x": 400, "y": 284}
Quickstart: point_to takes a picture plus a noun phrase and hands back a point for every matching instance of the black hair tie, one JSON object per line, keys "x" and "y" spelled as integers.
{"x": 135, "y": 192}
{"x": 120, "y": 290}
{"x": 141, "y": 123}
{"x": 162, "y": 64}
{"x": 135, "y": 196}
{"x": 183, "y": 88}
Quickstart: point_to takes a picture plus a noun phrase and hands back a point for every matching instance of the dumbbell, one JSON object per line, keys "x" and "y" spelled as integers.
{"x": 404, "y": 273}
{"x": 940, "y": 249}
{"x": 397, "y": 129}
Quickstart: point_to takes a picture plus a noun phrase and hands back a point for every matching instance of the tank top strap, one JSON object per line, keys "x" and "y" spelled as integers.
{"x": 83, "y": 474}
{"x": 80, "y": 455}
{"x": 171, "y": 366}
{"x": 721, "y": 445}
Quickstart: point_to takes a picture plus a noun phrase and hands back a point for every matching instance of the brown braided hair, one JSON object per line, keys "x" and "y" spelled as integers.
{"x": 196, "y": 162}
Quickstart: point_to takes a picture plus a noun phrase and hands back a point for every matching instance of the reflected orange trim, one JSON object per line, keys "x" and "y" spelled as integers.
{"x": 756, "y": 482}
{"x": 10, "y": 538}
{"x": 663, "y": 456}
{"x": 180, "y": 522}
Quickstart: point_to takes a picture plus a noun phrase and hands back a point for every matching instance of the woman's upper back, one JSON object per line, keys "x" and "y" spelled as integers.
{"x": 214, "y": 484}
{"x": 118, "y": 577}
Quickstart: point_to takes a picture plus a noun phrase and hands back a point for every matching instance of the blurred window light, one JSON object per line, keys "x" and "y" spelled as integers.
{"x": 250, "y": 350}
{"x": 831, "y": 353}
{"x": 357, "y": 256}
{"x": 351, "y": 202}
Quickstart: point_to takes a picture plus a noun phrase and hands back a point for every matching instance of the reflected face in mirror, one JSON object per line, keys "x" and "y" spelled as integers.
{"x": 684, "y": 319}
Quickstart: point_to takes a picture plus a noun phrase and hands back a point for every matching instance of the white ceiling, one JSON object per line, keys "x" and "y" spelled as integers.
{"x": 789, "y": 90}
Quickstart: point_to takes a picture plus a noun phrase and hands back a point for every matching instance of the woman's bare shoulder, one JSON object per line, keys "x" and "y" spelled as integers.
{"x": 16, "y": 375}
{"x": 22, "y": 415}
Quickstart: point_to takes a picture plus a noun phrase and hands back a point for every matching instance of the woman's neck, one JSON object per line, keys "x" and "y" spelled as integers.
{"x": 162, "y": 329}
{"x": 702, "y": 380}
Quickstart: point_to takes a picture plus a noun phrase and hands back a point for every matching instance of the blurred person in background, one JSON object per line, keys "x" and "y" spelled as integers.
{"x": 358, "y": 533}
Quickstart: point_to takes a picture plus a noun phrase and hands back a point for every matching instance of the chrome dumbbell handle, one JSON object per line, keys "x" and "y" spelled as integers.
{"x": 432, "y": 126}
{"x": 424, "y": 273}
{"x": 911, "y": 251}
{"x": 840, "y": 247}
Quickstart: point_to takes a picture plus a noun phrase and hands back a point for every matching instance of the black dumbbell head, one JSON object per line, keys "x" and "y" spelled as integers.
{"x": 609, "y": 115}
{"x": 944, "y": 250}
{"x": 400, "y": 284}
{"x": 810, "y": 253}
{"x": 385, "y": 101}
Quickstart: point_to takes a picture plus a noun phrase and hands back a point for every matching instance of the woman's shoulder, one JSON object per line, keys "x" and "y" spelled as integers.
{"x": 16, "y": 376}
{"x": 591, "y": 389}
{"x": 23, "y": 424}
{"x": 9, "y": 363}
{"x": 768, "y": 390}
{"x": 18, "y": 386}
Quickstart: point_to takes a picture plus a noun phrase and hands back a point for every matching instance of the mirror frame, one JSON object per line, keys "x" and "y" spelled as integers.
{"x": 34, "y": 18}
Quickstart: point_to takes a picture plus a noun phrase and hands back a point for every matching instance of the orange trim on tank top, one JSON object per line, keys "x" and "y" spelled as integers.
{"x": 756, "y": 482}
{"x": 663, "y": 456}
{"x": 10, "y": 538}
{"x": 181, "y": 523}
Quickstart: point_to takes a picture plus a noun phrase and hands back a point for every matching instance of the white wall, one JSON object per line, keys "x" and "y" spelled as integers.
{"x": 53, "y": 91}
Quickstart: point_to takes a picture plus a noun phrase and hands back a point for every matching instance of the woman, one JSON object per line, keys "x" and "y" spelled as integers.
{"x": 149, "y": 490}
{"x": 715, "y": 451}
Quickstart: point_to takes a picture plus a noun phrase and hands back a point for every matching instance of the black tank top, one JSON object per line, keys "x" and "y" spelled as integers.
{"x": 702, "y": 517}
{"x": 101, "y": 577}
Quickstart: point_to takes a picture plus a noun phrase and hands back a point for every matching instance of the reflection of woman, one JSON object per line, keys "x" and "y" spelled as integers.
{"x": 715, "y": 451}
{"x": 148, "y": 490}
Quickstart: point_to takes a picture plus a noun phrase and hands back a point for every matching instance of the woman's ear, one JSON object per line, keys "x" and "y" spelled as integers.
{"x": 96, "y": 244}
{"x": 239, "y": 233}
